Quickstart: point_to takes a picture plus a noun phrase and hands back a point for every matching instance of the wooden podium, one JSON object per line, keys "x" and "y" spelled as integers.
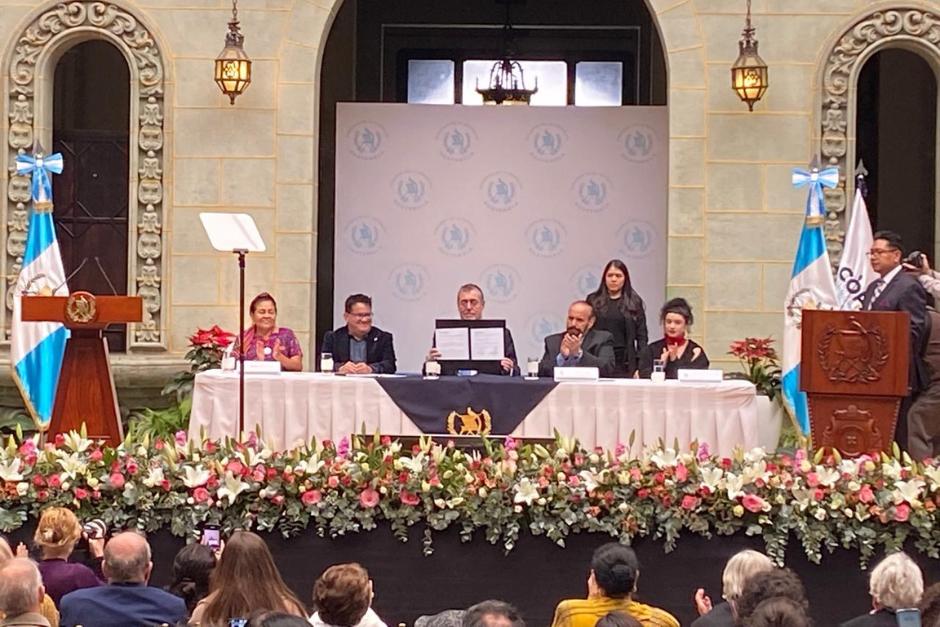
{"x": 854, "y": 371}
{"x": 85, "y": 393}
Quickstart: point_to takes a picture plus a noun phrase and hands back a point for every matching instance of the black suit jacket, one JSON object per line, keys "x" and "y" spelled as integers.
{"x": 881, "y": 618}
{"x": 380, "y": 350}
{"x": 720, "y": 616}
{"x": 905, "y": 293}
{"x": 598, "y": 348}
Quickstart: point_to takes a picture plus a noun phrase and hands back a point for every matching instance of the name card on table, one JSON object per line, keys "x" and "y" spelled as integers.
{"x": 261, "y": 367}
{"x": 701, "y": 376}
{"x": 577, "y": 373}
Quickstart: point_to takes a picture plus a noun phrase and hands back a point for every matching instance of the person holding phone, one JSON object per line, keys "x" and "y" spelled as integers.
{"x": 579, "y": 344}
{"x": 896, "y": 585}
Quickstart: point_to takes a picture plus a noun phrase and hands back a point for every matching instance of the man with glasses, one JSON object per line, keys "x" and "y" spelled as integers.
{"x": 896, "y": 290}
{"x": 359, "y": 347}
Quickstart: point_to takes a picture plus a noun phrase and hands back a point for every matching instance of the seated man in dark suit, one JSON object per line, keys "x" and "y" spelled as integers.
{"x": 896, "y": 290}
{"x": 359, "y": 347}
{"x": 127, "y": 599}
{"x": 580, "y": 344}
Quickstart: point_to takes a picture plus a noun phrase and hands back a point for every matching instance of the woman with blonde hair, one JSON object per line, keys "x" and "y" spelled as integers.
{"x": 245, "y": 580}
{"x": 896, "y": 583}
{"x": 742, "y": 566}
{"x": 47, "y": 609}
{"x": 56, "y": 534}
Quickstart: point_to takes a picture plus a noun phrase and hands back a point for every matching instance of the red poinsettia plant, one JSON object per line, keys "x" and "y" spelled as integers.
{"x": 760, "y": 362}
{"x": 207, "y": 347}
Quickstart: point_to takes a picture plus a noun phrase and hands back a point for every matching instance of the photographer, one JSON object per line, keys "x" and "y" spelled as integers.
{"x": 917, "y": 262}
{"x": 924, "y": 416}
{"x": 56, "y": 535}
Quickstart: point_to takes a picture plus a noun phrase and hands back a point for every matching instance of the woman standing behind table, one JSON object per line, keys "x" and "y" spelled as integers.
{"x": 265, "y": 341}
{"x": 620, "y": 310}
{"x": 675, "y": 349}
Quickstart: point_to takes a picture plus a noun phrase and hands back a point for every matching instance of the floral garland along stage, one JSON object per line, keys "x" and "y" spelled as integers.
{"x": 824, "y": 502}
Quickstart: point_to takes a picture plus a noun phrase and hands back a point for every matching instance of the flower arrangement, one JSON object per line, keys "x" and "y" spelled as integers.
{"x": 761, "y": 365}
{"x": 504, "y": 490}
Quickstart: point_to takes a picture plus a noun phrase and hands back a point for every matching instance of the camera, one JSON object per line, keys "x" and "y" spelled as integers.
{"x": 95, "y": 529}
{"x": 915, "y": 258}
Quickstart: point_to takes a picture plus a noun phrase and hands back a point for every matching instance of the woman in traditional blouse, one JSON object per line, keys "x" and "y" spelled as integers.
{"x": 675, "y": 349}
{"x": 620, "y": 310}
{"x": 265, "y": 341}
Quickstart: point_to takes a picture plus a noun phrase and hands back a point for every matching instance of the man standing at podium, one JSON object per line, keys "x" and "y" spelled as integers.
{"x": 896, "y": 290}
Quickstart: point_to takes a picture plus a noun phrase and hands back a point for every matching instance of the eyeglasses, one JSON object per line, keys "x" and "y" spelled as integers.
{"x": 361, "y": 316}
{"x": 880, "y": 251}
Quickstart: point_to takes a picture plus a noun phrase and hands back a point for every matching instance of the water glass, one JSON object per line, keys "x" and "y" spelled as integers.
{"x": 326, "y": 362}
{"x": 532, "y": 368}
{"x": 432, "y": 369}
{"x": 659, "y": 371}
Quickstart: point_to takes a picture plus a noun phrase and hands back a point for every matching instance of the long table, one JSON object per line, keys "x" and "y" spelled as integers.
{"x": 295, "y": 407}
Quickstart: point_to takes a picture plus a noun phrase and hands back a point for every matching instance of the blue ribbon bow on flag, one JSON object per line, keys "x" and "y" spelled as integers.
{"x": 816, "y": 179}
{"x": 40, "y": 166}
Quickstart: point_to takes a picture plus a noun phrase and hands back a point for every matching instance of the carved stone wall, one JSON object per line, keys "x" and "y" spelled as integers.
{"x": 902, "y": 26}
{"x": 63, "y": 26}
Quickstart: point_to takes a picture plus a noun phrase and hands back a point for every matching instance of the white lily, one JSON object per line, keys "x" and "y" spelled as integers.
{"x": 10, "y": 470}
{"x": 154, "y": 478}
{"x": 711, "y": 477}
{"x": 231, "y": 487}
{"x": 827, "y": 476}
{"x": 803, "y": 497}
{"x": 755, "y": 455}
{"x": 195, "y": 477}
{"x": 909, "y": 491}
{"x": 413, "y": 464}
{"x": 72, "y": 465}
{"x": 526, "y": 492}
{"x": 849, "y": 467}
{"x": 589, "y": 479}
{"x": 734, "y": 485}
{"x": 665, "y": 458}
{"x": 76, "y": 442}
{"x": 933, "y": 473}
{"x": 891, "y": 469}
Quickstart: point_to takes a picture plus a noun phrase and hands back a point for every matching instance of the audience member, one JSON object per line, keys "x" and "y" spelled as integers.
{"x": 895, "y": 583}
{"x": 447, "y": 618}
{"x": 611, "y": 586}
{"x": 929, "y": 607}
{"x": 192, "y": 567}
{"x": 267, "y": 618}
{"x": 618, "y": 619}
{"x": 245, "y": 580}
{"x": 492, "y": 614}
{"x": 47, "y": 608}
{"x": 342, "y": 597}
{"x": 579, "y": 344}
{"x": 771, "y": 584}
{"x": 741, "y": 567}
{"x": 127, "y": 599}
{"x": 621, "y": 312}
{"x": 21, "y": 593}
{"x": 779, "y": 612}
{"x": 56, "y": 534}
{"x": 358, "y": 347}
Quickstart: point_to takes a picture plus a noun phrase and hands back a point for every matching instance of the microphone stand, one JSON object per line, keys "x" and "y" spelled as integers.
{"x": 241, "y": 252}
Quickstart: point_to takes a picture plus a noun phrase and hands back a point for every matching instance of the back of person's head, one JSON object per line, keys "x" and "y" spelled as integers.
{"x": 492, "y": 614}
{"x": 58, "y": 530}
{"x": 245, "y": 580}
{"x": 192, "y": 567}
{"x": 896, "y": 582}
{"x": 618, "y": 619}
{"x": 779, "y": 612}
{"x": 616, "y": 569}
{"x": 930, "y": 606}
{"x": 771, "y": 584}
{"x": 267, "y": 618}
{"x": 447, "y": 618}
{"x": 21, "y": 588}
{"x": 741, "y": 567}
{"x": 127, "y": 558}
{"x": 342, "y": 594}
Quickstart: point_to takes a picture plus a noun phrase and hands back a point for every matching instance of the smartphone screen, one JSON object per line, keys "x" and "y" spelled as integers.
{"x": 238, "y": 622}
{"x": 908, "y": 618}
{"x": 210, "y": 537}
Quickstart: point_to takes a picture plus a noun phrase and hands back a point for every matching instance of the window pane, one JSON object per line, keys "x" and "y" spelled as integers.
{"x": 598, "y": 84}
{"x": 430, "y": 81}
{"x": 552, "y": 79}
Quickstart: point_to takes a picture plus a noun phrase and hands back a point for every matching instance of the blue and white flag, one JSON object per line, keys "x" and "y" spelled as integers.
{"x": 36, "y": 348}
{"x": 855, "y": 272}
{"x": 812, "y": 287}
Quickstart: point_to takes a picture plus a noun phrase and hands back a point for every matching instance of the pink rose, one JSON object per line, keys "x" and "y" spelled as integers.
{"x": 132, "y": 467}
{"x": 865, "y": 495}
{"x": 703, "y": 452}
{"x": 200, "y": 495}
{"x": 278, "y": 499}
{"x": 409, "y": 498}
{"x": 311, "y": 497}
{"x": 369, "y": 498}
{"x": 509, "y": 444}
{"x": 333, "y": 481}
{"x": 902, "y": 512}
{"x": 54, "y": 481}
{"x": 753, "y": 503}
{"x": 258, "y": 475}
{"x": 116, "y": 480}
{"x": 181, "y": 437}
{"x": 235, "y": 467}
{"x": 812, "y": 480}
{"x": 682, "y": 473}
{"x": 689, "y": 502}
{"x": 81, "y": 494}
{"x": 96, "y": 455}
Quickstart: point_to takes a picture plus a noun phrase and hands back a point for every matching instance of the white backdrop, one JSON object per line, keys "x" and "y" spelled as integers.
{"x": 527, "y": 202}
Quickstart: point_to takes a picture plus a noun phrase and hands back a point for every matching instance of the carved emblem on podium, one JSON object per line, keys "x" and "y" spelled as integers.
{"x": 856, "y": 354}
{"x": 470, "y": 423}
{"x": 853, "y": 431}
{"x": 81, "y": 308}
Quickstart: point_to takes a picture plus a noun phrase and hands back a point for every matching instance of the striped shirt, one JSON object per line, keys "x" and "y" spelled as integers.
{"x": 586, "y": 612}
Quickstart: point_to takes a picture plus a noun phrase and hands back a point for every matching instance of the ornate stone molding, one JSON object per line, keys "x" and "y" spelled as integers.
{"x": 121, "y": 28}
{"x": 839, "y": 74}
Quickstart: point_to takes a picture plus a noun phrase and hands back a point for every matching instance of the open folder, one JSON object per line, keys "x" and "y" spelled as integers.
{"x": 470, "y": 344}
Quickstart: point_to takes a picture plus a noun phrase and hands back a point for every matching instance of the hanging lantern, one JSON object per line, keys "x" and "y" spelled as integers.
{"x": 749, "y": 72}
{"x": 233, "y": 67}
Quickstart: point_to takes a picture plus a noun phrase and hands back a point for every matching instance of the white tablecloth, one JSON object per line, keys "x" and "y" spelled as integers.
{"x": 293, "y": 407}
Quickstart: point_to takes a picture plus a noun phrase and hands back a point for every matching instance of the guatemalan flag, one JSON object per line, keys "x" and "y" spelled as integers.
{"x": 36, "y": 348}
{"x": 811, "y": 286}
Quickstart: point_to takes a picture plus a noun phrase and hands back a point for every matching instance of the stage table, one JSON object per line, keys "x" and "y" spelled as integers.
{"x": 293, "y": 407}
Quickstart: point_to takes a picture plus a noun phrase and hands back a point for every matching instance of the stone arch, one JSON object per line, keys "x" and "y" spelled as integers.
{"x": 911, "y": 27}
{"x": 32, "y": 57}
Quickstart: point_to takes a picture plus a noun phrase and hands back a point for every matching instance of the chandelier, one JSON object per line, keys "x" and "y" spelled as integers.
{"x": 233, "y": 67}
{"x": 507, "y": 80}
{"x": 749, "y": 72}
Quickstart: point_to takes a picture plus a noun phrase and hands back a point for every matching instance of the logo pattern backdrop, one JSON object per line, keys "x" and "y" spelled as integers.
{"x": 527, "y": 202}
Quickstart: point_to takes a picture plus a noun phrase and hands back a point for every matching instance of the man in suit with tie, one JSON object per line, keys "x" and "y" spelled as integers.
{"x": 896, "y": 290}
{"x": 359, "y": 347}
{"x": 580, "y": 344}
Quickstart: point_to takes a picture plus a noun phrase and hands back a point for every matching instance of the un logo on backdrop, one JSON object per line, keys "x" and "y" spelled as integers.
{"x": 411, "y": 190}
{"x": 546, "y": 238}
{"x": 547, "y": 142}
{"x": 457, "y": 141}
{"x": 500, "y": 191}
{"x": 500, "y": 282}
{"x": 409, "y": 281}
{"x": 636, "y": 238}
{"x": 366, "y": 140}
{"x": 585, "y": 281}
{"x": 638, "y": 143}
{"x": 590, "y": 192}
{"x": 364, "y": 235}
{"x": 455, "y": 237}
{"x": 543, "y": 324}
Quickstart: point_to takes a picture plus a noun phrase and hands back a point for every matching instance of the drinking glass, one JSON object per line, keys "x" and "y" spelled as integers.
{"x": 326, "y": 363}
{"x": 532, "y": 368}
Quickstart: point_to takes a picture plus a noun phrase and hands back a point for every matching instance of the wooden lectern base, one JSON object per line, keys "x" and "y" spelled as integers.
{"x": 85, "y": 382}
{"x": 853, "y": 426}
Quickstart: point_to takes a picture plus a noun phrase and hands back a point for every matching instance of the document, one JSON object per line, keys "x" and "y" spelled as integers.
{"x": 452, "y": 343}
{"x": 487, "y": 343}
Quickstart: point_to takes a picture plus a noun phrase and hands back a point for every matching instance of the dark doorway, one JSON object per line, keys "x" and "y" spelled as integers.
{"x": 897, "y": 139}
{"x": 91, "y": 114}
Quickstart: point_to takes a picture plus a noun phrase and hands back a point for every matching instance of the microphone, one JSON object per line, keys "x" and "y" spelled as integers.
{"x": 105, "y": 275}
{"x": 73, "y": 273}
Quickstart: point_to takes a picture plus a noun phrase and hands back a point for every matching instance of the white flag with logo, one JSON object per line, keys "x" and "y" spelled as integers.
{"x": 855, "y": 272}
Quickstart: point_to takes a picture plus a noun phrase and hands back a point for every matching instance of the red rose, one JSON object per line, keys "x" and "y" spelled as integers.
{"x": 409, "y": 498}
{"x": 333, "y": 481}
{"x": 386, "y": 440}
{"x": 54, "y": 481}
{"x": 200, "y": 495}
{"x": 642, "y": 493}
{"x": 689, "y": 502}
{"x": 311, "y": 497}
{"x": 213, "y": 482}
{"x": 131, "y": 467}
{"x": 81, "y": 494}
{"x": 902, "y": 512}
{"x": 38, "y": 481}
{"x": 42, "y": 495}
{"x": 116, "y": 480}
{"x": 59, "y": 440}
{"x": 369, "y": 498}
